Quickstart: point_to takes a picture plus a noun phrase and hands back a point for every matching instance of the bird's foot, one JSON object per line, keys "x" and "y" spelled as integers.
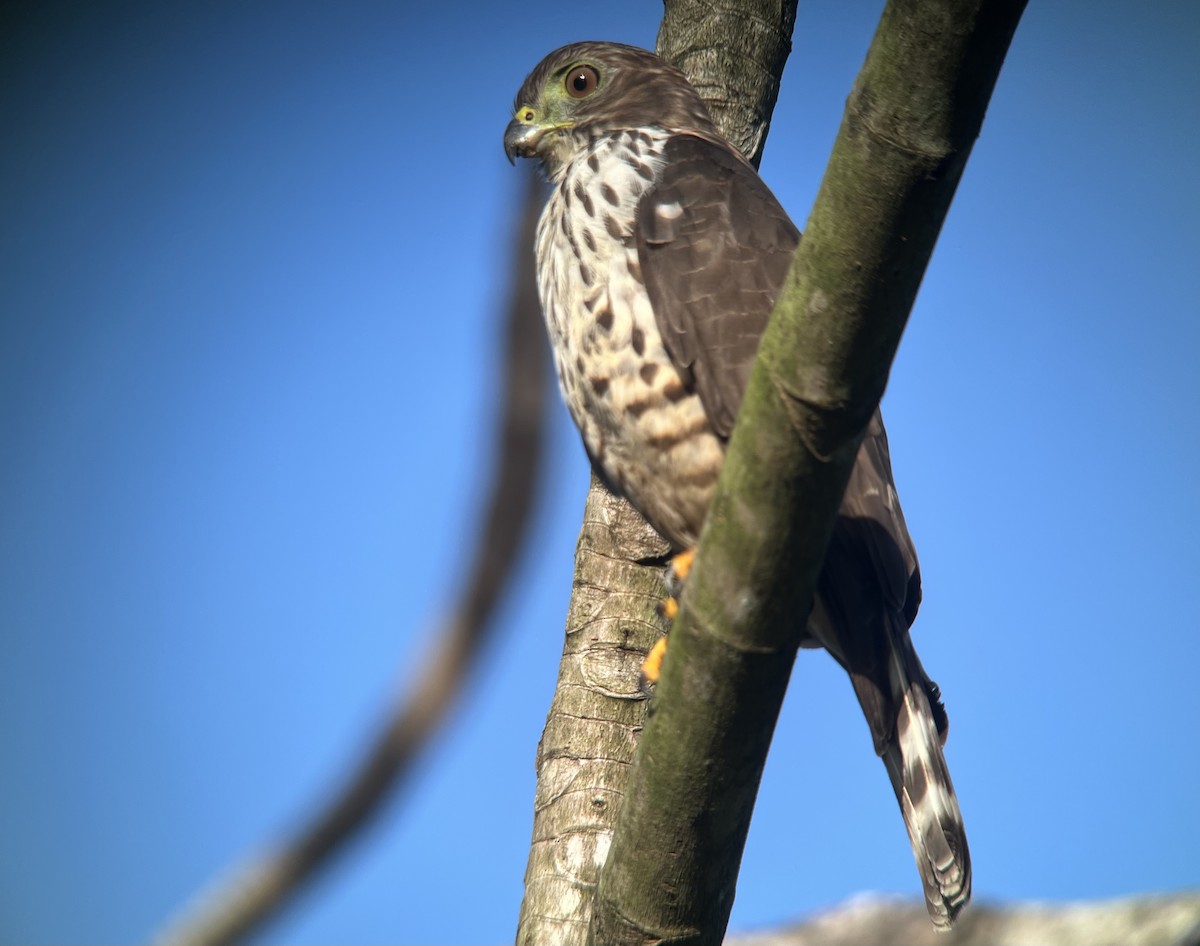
{"x": 677, "y": 572}
{"x": 678, "y": 569}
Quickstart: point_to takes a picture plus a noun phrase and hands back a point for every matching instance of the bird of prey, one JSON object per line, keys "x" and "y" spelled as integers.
{"x": 660, "y": 254}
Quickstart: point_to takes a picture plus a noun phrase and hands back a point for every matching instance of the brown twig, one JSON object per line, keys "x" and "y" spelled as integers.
{"x": 248, "y": 896}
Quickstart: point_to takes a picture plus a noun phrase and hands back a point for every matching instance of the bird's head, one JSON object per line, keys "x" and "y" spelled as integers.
{"x": 585, "y": 90}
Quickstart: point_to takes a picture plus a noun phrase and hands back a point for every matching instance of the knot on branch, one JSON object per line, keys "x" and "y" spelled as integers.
{"x": 826, "y": 423}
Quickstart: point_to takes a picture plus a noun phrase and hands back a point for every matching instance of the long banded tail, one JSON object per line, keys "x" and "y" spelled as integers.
{"x": 915, "y": 763}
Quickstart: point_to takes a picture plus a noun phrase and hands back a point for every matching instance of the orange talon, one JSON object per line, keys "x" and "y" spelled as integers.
{"x": 682, "y": 563}
{"x": 652, "y": 665}
{"x": 677, "y": 571}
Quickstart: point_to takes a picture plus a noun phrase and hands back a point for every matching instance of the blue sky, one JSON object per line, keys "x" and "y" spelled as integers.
{"x": 237, "y": 481}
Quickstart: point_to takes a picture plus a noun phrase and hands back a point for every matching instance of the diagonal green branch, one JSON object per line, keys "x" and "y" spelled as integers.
{"x": 910, "y": 122}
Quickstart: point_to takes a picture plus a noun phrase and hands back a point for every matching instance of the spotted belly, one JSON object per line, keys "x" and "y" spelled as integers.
{"x": 642, "y": 424}
{"x": 646, "y": 430}
{"x": 665, "y": 462}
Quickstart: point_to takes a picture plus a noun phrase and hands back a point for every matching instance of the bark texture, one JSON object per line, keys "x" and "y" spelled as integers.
{"x": 595, "y": 718}
{"x": 733, "y": 53}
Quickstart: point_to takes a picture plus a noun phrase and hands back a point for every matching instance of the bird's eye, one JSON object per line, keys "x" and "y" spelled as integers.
{"x": 582, "y": 81}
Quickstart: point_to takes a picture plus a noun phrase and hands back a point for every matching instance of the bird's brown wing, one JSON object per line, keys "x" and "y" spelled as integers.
{"x": 870, "y": 585}
{"x": 714, "y": 246}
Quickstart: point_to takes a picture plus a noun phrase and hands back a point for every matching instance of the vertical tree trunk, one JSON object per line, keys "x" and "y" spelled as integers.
{"x": 595, "y": 718}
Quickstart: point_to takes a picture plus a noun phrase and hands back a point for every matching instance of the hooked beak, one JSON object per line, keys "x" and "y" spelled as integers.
{"x": 521, "y": 139}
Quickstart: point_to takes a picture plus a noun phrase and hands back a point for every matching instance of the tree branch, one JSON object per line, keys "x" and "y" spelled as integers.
{"x": 733, "y": 53}
{"x": 911, "y": 120}
{"x": 254, "y": 892}
{"x": 1172, "y": 920}
{"x": 595, "y": 718}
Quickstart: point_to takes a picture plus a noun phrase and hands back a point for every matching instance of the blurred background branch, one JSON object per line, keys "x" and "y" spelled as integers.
{"x": 1129, "y": 921}
{"x": 253, "y": 892}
